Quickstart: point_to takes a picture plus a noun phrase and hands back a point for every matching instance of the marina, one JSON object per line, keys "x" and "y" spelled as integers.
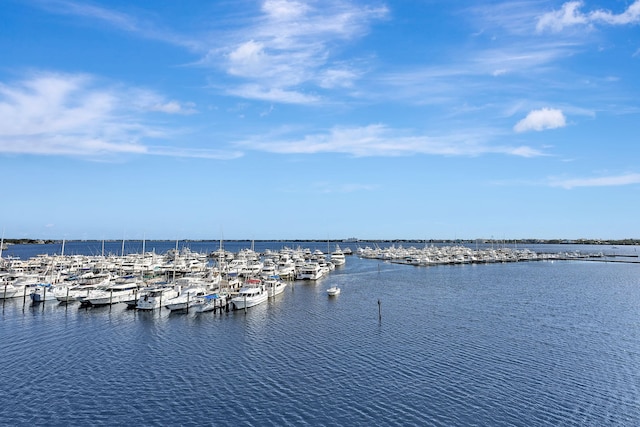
{"x": 495, "y": 343}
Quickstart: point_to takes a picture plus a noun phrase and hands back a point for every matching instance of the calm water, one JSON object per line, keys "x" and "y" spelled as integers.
{"x": 524, "y": 344}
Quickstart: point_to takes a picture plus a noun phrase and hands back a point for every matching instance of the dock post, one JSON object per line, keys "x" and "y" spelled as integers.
{"x": 379, "y": 311}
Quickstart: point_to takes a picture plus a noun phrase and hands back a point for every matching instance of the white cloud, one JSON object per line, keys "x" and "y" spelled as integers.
{"x": 603, "y": 181}
{"x": 379, "y": 140}
{"x": 558, "y": 19}
{"x": 284, "y": 9}
{"x": 570, "y": 15}
{"x": 174, "y": 107}
{"x": 288, "y": 46}
{"x": 327, "y": 188}
{"x": 545, "y": 118}
{"x": 119, "y": 20}
{"x": 629, "y": 16}
{"x": 254, "y": 91}
{"x": 76, "y": 115}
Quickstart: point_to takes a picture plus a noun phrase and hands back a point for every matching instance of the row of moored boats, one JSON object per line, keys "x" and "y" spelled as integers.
{"x": 439, "y": 255}
{"x": 182, "y": 280}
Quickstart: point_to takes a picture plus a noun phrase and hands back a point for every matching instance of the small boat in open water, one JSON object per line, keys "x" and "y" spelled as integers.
{"x": 333, "y": 291}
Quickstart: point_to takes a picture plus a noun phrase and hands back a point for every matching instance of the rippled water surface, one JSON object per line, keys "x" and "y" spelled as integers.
{"x": 526, "y": 344}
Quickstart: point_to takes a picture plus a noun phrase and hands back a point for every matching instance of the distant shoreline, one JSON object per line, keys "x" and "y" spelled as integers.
{"x": 622, "y": 242}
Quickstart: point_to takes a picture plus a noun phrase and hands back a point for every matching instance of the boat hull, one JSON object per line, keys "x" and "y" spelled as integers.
{"x": 241, "y": 302}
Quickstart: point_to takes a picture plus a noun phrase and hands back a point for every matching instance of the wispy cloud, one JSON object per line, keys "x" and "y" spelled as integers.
{"x": 545, "y": 118}
{"x": 119, "y": 20}
{"x": 333, "y": 188}
{"x": 571, "y": 15}
{"x": 602, "y": 181}
{"x": 75, "y": 114}
{"x": 380, "y": 140}
{"x": 273, "y": 94}
{"x": 290, "y": 47}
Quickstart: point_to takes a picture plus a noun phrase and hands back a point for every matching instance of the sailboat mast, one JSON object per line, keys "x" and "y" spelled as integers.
{"x": 175, "y": 260}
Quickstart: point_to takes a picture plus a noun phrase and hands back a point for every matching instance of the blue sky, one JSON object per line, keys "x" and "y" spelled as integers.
{"x": 323, "y": 119}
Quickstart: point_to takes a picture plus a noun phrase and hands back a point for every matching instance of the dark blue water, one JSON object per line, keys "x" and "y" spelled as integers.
{"x": 519, "y": 344}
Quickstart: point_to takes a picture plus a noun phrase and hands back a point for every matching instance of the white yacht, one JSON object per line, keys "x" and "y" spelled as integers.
{"x": 269, "y": 269}
{"x": 13, "y": 290}
{"x": 153, "y": 298}
{"x": 253, "y": 293}
{"x": 43, "y": 292}
{"x": 185, "y": 299}
{"x": 274, "y": 285}
{"x": 21, "y": 286}
{"x": 209, "y": 302}
{"x": 236, "y": 266}
{"x": 337, "y": 257}
{"x": 116, "y": 293}
{"x": 286, "y": 267}
{"x": 311, "y": 271}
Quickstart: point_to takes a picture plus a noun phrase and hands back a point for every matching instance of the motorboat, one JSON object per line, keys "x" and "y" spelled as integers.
{"x": 286, "y": 267}
{"x": 253, "y": 293}
{"x": 311, "y": 271}
{"x": 114, "y": 294}
{"x": 337, "y": 257}
{"x": 153, "y": 298}
{"x": 43, "y": 292}
{"x": 9, "y": 290}
{"x": 20, "y": 286}
{"x": 333, "y": 291}
{"x": 209, "y": 302}
{"x": 185, "y": 299}
{"x": 274, "y": 285}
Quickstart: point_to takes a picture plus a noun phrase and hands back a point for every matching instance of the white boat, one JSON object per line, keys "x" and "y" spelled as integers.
{"x": 153, "y": 298}
{"x": 209, "y": 302}
{"x": 253, "y": 293}
{"x": 80, "y": 293}
{"x": 270, "y": 268}
{"x": 333, "y": 291}
{"x": 65, "y": 293}
{"x": 185, "y": 299}
{"x": 274, "y": 285}
{"x": 114, "y": 294}
{"x": 21, "y": 286}
{"x": 236, "y": 266}
{"x": 337, "y": 257}
{"x": 9, "y": 290}
{"x": 43, "y": 292}
{"x": 286, "y": 268}
{"x": 311, "y": 271}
